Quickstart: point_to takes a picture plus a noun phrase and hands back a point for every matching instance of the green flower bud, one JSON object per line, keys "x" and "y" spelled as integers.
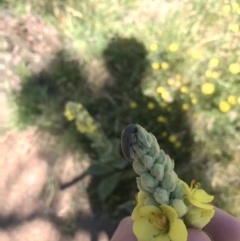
{"x": 143, "y": 188}
{"x": 139, "y": 168}
{"x": 143, "y": 137}
{"x": 179, "y": 206}
{"x": 158, "y": 171}
{"x": 169, "y": 181}
{"x": 148, "y": 161}
{"x": 150, "y": 201}
{"x": 169, "y": 164}
{"x": 161, "y": 158}
{"x": 161, "y": 195}
{"x": 148, "y": 181}
{"x": 139, "y": 151}
{"x": 178, "y": 191}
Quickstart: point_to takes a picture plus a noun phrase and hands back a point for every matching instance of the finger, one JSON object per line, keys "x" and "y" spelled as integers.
{"x": 124, "y": 231}
{"x": 197, "y": 235}
{"x": 223, "y": 227}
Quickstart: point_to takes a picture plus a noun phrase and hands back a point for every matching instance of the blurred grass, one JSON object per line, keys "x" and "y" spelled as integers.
{"x": 145, "y": 62}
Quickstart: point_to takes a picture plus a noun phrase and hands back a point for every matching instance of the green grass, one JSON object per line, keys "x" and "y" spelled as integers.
{"x": 117, "y": 85}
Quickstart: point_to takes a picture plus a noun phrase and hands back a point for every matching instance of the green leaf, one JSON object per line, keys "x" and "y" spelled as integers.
{"x": 99, "y": 169}
{"x": 107, "y": 186}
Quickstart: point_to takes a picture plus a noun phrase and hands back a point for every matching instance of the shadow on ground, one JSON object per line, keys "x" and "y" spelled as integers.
{"x": 41, "y": 102}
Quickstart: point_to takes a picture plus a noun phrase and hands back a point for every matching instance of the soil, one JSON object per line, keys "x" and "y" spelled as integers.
{"x": 33, "y": 206}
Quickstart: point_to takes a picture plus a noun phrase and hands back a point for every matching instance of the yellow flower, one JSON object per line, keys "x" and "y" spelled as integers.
{"x": 232, "y": 99}
{"x": 194, "y": 100}
{"x": 178, "y": 76}
{"x": 68, "y": 114}
{"x": 172, "y": 138}
{"x": 150, "y": 105}
{"x": 234, "y": 68}
{"x": 215, "y": 74}
{"x": 133, "y": 105}
{"x": 140, "y": 197}
{"x": 208, "y": 73}
{"x": 155, "y": 65}
{"x": 226, "y": 8}
{"x": 185, "y": 106}
{"x": 170, "y": 81}
{"x": 165, "y": 65}
{"x": 196, "y": 54}
{"x": 238, "y": 100}
{"x": 198, "y": 217}
{"x": 173, "y": 47}
{"x": 153, "y": 47}
{"x": 234, "y": 27}
{"x": 177, "y": 83}
{"x": 159, "y": 224}
{"x": 214, "y": 62}
{"x": 160, "y": 89}
{"x": 184, "y": 89}
{"x": 164, "y": 134}
{"x": 238, "y": 11}
{"x": 165, "y": 95}
{"x": 224, "y": 106}
{"x": 162, "y": 119}
{"x": 235, "y": 5}
{"x": 178, "y": 144}
{"x": 197, "y": 197}
{"x": 208, "y": 88}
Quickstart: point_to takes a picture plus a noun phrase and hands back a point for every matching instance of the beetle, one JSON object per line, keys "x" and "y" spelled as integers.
{"x": 128, "y": 138}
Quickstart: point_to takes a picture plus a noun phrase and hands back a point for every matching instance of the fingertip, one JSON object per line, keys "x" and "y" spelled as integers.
{"x": 197, "y": 235}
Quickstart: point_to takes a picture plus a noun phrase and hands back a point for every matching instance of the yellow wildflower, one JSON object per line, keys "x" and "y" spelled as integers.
{"x": 197, "y": 197}
{"x": 172, "y": 138}
{"x": 214, "y": 62}
{"x": 208, "y": 73}
{"x": 234, "y": 68}
{"x": 162, "y": 119}
{"x": 170, "y": 81}
{"x": 232, "y": 99}
{"x": 160, "y": 89}
{"x": 153, "y": 47}
{"x": 178, "y": 144}
{"x": 208, "y": 88}
{"x": 185, "y": 106}
{"x": 165, "y": 95}
{"x": 235, "y": 5}
{"x": 224, "y": 106}
{"x": 150, "y": 105}
{"x": 196, "y": 54}
{"x": 141, "y": 196}
{"x": 238, "y": 100}
{"x": 198, "y": 217}
{"x": 184, "y": 89}
{"x": 178, "y": 76}
{"x": 194, "y": 100}
{"x": 238, "y": 11}
{"x": 133, "y": 105}
{"x": 226, "y": 8}
{"x": 173, "y": 47}
{"x": 234, "y": 27}
{"x": 215, "y": 74}
{"x": 165, "y": 65}
{"x": 155, "y": 65}
{"x": 68, "y": 114}
{"x": 159, "y": 223}
{"x": 177, "y": 83}
{"x": 164, "y": 134}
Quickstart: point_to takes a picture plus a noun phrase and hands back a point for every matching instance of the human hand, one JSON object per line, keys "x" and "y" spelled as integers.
{"x": 222, "y": 227}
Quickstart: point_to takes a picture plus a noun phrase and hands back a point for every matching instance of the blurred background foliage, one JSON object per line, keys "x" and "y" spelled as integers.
{"x": 171, "y": 67}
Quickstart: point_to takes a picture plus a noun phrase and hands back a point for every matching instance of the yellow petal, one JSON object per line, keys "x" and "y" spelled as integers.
{"x": 144, "y": 230}
{"x": 141, "y": 197}
{"x": 200, "y": 205}
{"x": 169, "y": 212}
{"x": 162, "y": 237}
{"x": 202, "y": 196}
{"x": 146, "y": 211}
{"x": 135, "y": 214}
{"x": 178, "y": 231}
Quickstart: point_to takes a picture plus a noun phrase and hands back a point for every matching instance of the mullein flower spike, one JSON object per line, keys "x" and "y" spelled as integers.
{"x": 166, "y": 204}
